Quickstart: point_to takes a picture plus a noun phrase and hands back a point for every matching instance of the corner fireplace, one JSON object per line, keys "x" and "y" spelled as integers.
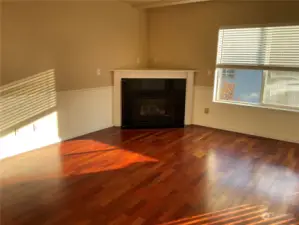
{"x": 153, "y": 103}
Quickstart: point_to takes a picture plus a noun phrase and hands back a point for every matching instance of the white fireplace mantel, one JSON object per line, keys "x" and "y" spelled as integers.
{"x": 185, "y": 74}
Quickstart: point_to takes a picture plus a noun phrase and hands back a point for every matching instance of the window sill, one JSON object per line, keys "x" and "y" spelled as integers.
{"x": 258, "y": 106}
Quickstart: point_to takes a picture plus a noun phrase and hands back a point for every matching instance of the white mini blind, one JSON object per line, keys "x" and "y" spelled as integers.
{"x": 259, "y": 46}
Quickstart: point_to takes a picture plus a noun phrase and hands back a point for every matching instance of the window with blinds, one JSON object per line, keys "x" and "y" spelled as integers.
{"x": 258, "y": 66}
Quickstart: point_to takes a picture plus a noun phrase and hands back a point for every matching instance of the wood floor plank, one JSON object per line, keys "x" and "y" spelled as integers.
{"x": 192, "y": 175}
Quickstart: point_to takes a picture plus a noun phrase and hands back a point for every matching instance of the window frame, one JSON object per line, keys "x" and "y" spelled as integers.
{"x": 264, "y": 68}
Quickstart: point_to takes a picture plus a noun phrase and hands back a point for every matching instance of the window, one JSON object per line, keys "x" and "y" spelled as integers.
{"x": 281, "y": 88}
{"x": 240, "y": 85}
{"x": 258, "y": 67}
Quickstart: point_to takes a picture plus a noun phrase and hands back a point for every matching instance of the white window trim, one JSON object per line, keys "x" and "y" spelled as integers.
{"x": 256, "y": 106}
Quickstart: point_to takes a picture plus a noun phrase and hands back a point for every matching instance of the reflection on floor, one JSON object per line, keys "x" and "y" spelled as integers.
{"x": 244, "y": 214}
{"x": 194, "y": 175}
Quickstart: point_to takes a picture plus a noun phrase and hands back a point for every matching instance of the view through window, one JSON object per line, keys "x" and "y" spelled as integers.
{"x": 258, "y": 67}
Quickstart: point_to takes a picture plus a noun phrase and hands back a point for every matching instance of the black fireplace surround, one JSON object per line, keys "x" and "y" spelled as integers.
{"x": 153, "y": 103}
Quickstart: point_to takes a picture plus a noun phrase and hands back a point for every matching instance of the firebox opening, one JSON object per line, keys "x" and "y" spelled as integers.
{"x": 153, "y": 103}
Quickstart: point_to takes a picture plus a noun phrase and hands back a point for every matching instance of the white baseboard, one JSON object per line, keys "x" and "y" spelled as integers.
{"x": 280, "y": 125}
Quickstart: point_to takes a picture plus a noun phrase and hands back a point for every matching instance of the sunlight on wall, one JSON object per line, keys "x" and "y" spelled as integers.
{"x": 28, "y": 118}
{"x": 41, "y": 132}
{"x": 26, "y": 98}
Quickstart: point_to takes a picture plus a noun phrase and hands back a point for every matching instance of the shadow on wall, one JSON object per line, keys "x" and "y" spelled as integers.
{"x": 28, "y": 114}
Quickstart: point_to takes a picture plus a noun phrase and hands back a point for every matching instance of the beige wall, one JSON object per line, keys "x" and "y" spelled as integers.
{"x": 276, "y": 124}
{"x": 185, "y": 36}
{"x": 51, "y": 51}
{"x": 73, "y": 38}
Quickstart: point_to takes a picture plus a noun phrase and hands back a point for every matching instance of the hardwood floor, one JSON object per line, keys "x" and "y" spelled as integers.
{"x": 194, "y": 175}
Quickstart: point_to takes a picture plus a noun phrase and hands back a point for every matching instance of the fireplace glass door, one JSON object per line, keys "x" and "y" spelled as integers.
{"x": 153, "y": 103}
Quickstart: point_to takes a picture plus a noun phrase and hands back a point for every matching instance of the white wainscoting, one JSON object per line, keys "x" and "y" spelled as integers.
{"x": 75, "y": 113}
{"x": 280, "y": 125}
{"x": 84, "y": 111}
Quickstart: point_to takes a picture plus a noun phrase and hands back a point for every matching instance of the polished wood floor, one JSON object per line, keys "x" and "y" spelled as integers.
{"x": 194, "y": 175}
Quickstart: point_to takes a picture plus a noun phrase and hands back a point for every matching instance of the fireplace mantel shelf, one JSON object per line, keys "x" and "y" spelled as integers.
{"x": 152, "y": 73}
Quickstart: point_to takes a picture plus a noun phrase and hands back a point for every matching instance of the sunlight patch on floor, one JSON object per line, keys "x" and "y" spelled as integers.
{"x": 67, "y": 159}
{"x": 98, "y": 157}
